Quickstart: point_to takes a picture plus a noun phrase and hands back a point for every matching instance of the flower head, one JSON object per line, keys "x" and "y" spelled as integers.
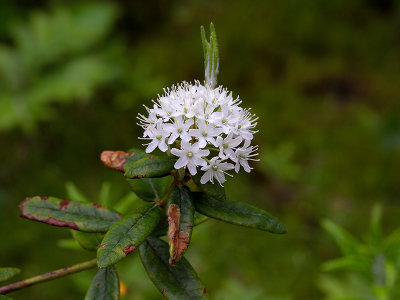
{"x": 196, "y": 120}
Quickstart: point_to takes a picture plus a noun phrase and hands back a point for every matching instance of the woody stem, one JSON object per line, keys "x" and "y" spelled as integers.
{"x": 48, "y": 276}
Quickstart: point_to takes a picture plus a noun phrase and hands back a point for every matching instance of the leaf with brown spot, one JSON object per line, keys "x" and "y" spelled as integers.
{"x": 127, "y": 234}
{"x": 174, "y": 282}
{"x": 75, "y": 215}
{"x": 114, "y": 160}
{"x": 180, "y": 222}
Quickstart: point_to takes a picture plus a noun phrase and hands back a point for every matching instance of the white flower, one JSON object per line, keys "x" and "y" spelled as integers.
{"x": 227, "y": 145}
{"x": 196, "y": 119}
{"x": 190, "y": 156}
{"x": 216, "y": 169}
{"x": 243, "y": 155}
{"x": 179, "y": 129}
{"x": 205, "y": 133}
{"x": 157, "y": 135}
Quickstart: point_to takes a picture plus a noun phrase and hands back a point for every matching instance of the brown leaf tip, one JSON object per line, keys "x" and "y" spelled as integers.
{"x": 179, "y": 239}
{"x": 115, "y": 159}
{"x": 129, "y": 249}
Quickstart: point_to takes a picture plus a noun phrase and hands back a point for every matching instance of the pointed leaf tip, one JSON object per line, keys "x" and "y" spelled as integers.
{"x": 238, "y": 213}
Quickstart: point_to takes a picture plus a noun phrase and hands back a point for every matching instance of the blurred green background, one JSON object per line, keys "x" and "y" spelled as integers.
{"x": 323, "y": 76}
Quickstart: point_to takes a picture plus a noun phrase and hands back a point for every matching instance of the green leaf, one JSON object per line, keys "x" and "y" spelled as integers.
{"x": 2, "y": 297}
{"x": 88, "y": 241}
{"x": 181, "y": 221}
{"x": 7, "y": 273}
{"x": 75, "y": 215}
{"x": 127, "y": 234}
{"x": 69, "y": 244}
{"x": 214, "y": 190}
{"x": 74, "y": 193}
{"x": 104, "y": 194}
{"x": 174, "y": 282}
{"x": 150, "y": 189}
{"x": 105, "y": 285}
{"x": 152, "y": 166}
{"x": 126, "y": 203}
{"x": 347, "y": 243}
{"x": 238, "y": 213}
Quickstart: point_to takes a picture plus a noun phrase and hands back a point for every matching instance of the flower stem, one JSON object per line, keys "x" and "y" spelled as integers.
{"x": 48, "y": 276}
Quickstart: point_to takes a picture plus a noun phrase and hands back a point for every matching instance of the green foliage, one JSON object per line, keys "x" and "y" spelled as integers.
{"x": 151, "y": 166}
{"x": 52, "y": 60}
{"x": 372, "y": 267}
{"x": 127, "y": 234}
{"x": 75, "y": 215}
{"x": 238, "y": 213}
{"x": 105, "y": 285}
{"x": 174, "y": 282}
{"x": 7, "y": 273}
{"x": 150, "y": 189}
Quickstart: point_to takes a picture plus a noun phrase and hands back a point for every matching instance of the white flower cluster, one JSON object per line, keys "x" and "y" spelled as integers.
{"x": 200, "y": 120}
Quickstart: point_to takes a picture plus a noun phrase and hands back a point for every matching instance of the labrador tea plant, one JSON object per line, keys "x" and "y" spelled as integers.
{"x": 205, "y": 135}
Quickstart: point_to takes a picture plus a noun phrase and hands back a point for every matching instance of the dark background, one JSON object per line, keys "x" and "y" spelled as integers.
{"x": 323, "y": 76}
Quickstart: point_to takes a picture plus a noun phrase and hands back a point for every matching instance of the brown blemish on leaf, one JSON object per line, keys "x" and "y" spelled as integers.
{"x": 103, "y": 245}
{"x": 164, "y": 291}
{"x": 96, "y": 205}
{"x": 44, "y": 198}
{"x": 204, "y": 291}
{"x": 64, "y": 204}
{"x": 115, "y": 159}
{"x": 128, "y": 249}
{"x": 50, "y": 221}
{"x": 151, "y": 157}
{"x": 178, "y": 240}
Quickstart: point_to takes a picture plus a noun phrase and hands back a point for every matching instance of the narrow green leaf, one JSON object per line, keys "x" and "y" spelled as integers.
{"x": 238, "y": 213}
{"x": 152, "y": 166}
{"x": 85, "y": 217}
{"x": 7, "y": 273}
{"x": 150, "y": 189}
{"x": 180, "y": 220}
{"x": 346, "y": 242}
{"x": 126, "y": 203}
{"x": 174, "y": 282}
{"x": 127, "y": 234}
{"x": 88, "y": 241}
{"x": 2, "y": 297}
{"x": 105, "y": 285}
{"x": 69, "y": 244}
{"x": 214, "y": 190}
{"x": 74, "y": 193}
{"x": 104, "y": 194}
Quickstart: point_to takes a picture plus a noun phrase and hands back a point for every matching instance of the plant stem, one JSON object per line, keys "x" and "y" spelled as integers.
{"x": 48, "y": 276}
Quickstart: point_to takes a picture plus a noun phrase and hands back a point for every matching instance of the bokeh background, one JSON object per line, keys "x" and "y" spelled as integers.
{"x": 323, "y": 76}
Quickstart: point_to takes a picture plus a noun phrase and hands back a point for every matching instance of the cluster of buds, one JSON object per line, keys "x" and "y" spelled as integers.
{"x": 203, "y": 126}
